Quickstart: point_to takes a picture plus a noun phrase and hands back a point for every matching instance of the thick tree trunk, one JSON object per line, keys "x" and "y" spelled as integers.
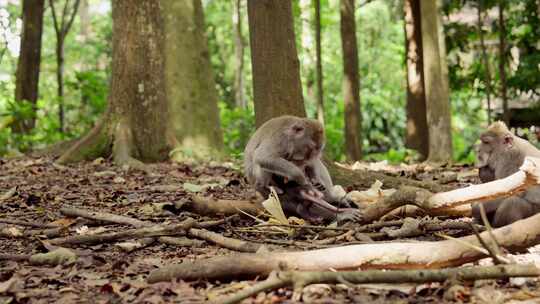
{"x": 318, "y": 62}
{"x": 485, "y": 60}
{"x": 351, "y": 83}
{"x": 165, "y": 98}
{"x": 192, "y": 94}
{"x": 27, "y": 76}
{"x": 240, "y": 96}
{"x": 502, "y": 63}
{"x": 134, "y": 123}
{"x": 277, "y": 89}
{"x": 417, "y": 130}
{"x": 437, "y": 101}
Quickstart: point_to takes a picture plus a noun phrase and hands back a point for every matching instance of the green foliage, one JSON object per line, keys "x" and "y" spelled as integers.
{"x": 239, "y": 125}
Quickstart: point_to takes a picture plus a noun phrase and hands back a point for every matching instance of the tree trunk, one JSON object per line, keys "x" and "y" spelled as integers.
{"x": 417, "y": 130}
{"x": 351, "y": 83}
{"x": 485, "y": 60}
{"x": 318, "y": 62}
{"x": 239, "y": 92}
{"x": 27, "y": 75}
{"x": 277, "y": 89}
{"x": 307, "y": 49}
{"x": 193, "y": 98}
{"x": 502, "y": 63}
{"x": 60, "y": 79}
{"x": 84, "y": 17}
{"x": 437, "y": 101}
{"x": 166, "y": 98}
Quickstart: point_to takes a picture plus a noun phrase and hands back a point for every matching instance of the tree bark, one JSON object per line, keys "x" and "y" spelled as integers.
{"x": 351, "y": 83}
{"x": 192, "y": 94}
{"x": 277, "y": 89}
{"x": 502, "y": 63}
{"x": 417, "y": 130}
{"x": 318, "y": 62}
{"x": 437, "y": 101}
{"x": 164, "y": 99}
{"x": 27, "y": 75}
{"x": 484, "y": 58}
{"x": 240, "y": 97}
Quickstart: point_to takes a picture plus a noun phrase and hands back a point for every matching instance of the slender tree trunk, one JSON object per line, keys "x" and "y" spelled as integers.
{"x": 437, "y": 101}
{"x": 351, "y": 83}
{"x": 485, "y": 60}
{"x": 318, "y": 62}
{"x": 502, "y": 63}
{"x": 277, "y": 89}
{"x": 307, "y": 49}
{"x": 27, "y": 75}
{"x": 84, "y": 17}
{"x": 417, "y": 130}
{"x": 62, "y": 25}
{"x": 240, "y": 96}
{"x": 60, "y": 79}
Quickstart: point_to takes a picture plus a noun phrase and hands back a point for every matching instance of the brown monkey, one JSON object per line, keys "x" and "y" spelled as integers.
{"x": 285, "y": 152}
{"x": 500, "y": 154}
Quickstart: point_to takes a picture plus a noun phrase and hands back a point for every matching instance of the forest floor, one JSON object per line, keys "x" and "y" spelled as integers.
{"x": 33, "y": 192}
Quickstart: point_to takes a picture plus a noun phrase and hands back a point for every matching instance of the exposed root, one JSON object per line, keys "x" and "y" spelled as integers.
{"x": 95, "y": 144}
{"x": 122, "y": 147}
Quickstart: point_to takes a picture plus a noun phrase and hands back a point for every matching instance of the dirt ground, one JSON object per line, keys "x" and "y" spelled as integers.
{"x": 32, "y": 192}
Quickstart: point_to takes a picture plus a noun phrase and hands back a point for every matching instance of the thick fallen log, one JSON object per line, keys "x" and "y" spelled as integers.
{"x": 421, "y": 255}
{"x": 456, "y": 202}
{"x": 301, "y": 279}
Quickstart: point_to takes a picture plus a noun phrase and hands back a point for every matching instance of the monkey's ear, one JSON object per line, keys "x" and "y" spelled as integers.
{"x": 508, "y": 140}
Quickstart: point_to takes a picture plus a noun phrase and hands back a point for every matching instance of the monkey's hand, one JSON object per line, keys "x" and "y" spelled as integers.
{"x": 349, "y": 214}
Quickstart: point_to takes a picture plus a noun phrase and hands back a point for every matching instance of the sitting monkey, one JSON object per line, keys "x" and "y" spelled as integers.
{"x": 500, "y": 154}
{"x": 285, "y": 152}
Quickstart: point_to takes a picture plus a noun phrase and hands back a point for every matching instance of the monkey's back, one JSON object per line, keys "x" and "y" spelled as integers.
{"x": 271, "y": 130}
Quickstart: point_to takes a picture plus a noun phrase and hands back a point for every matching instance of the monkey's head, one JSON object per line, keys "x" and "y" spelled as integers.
{"x": 497, "y": 141}
{"x": 305, "y": 138}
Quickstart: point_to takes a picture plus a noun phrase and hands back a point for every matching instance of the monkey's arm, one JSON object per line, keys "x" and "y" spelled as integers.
{"x": 278, "y": 165}
{"x": 323, "y": 182}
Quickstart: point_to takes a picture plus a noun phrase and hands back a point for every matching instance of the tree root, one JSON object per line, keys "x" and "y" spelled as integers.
{"x": 301, "y": 279}
{"x": 94, "y": 144}
{"x": 364, "y": 179}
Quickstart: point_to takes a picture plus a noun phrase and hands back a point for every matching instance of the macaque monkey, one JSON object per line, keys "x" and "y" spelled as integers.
{"x": 285, "y": 152}
{"x": 500, "y": 154}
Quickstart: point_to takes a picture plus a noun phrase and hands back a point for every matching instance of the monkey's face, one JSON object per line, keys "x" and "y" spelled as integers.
{"x": 306, "y": 141}
{"x": 491, "y": 145}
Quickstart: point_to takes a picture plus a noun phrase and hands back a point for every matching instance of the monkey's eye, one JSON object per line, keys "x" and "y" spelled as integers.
{"x": 298, "y": 129}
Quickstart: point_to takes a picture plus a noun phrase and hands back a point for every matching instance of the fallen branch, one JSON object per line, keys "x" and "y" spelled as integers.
{"x": 399, "y": 255}
{"x": 26, "y": 223}
{"x": 226, "y": 242}
{"x": 213, "y": 237}
{"x": 144, "y": 232}
{"x": 301, "y": 279}
{"x": 457, "y": 202}
{"x": 210, "y": 206}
